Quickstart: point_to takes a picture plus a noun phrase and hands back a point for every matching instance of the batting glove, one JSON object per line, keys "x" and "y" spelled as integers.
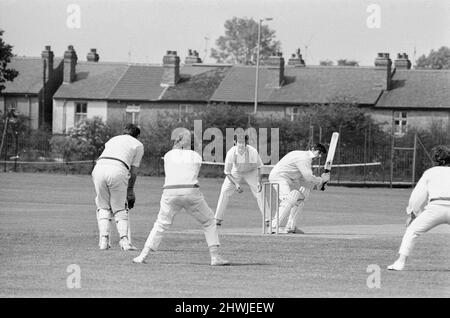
{"x": 325, "y": 177}
{"x": 131, "y": 198}
{"x": 410, "y": 218}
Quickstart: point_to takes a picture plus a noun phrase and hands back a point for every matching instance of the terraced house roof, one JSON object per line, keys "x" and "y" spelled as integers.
{"x": 30, "y": 77}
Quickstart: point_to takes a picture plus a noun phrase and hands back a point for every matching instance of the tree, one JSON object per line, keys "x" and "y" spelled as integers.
{"x": 437, "y": 60}
{"x": 85, "y": 142}
{"x": 6, "y": 74}
{"x": 239, "y": 44}
{"x": 345, "y": 62}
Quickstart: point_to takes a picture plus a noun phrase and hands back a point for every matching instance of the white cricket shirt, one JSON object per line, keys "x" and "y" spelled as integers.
{"x": 296, "y": 165}
{"x": 242, "y": 163}
{"x": 181, "y": 167}
{"x": 126, "y": 148}
{"x": 434, "y": 183}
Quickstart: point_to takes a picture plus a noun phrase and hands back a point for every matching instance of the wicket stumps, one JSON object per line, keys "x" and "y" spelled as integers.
{"x": 270, "y": 200}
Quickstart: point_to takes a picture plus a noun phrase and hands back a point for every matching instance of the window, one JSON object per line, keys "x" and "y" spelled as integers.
{"x": 80, "y": 113}
{"x": 400, "y": 123}
{"x": 183, "y": 111}
{"x": 132, "y": 114}
{"x": 293, "y": 113}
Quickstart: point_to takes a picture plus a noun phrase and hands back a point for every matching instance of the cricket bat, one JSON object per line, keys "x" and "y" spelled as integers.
{"x": 330, "y": 155}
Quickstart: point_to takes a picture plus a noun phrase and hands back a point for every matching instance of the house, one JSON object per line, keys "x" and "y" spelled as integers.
{"x": 398, "y": 95}
{"x": 416, "y": 98}
{"x": 31, "y": 92}
{"x": 135, "y": 93}
{"x": 140, "y": 93}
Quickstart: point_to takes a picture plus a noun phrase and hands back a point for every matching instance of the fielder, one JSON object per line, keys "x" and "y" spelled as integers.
{"x": 114, "y": 176}
{"x": 241, "y": 164}
{"x": 181, "y": 191}
{"x": 429, "y": 204}
{"x": 294, "y": 175}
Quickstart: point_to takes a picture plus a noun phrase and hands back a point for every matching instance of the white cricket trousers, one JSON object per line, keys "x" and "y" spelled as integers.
{"x": 110, "y": 181}
{"x": 193, "y": 202}
{"x": 286, "y": 186}
{"x": 434, "y": 214}
{"x": 228, "y": 189}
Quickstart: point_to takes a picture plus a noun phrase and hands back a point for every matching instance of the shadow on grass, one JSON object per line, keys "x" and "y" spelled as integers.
{"x": 437, "y": 270}
{"x": 236, "y": 264}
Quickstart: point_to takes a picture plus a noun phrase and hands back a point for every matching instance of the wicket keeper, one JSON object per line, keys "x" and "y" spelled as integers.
{"x": 294, "y": 175}
{"x": 114, "y": 176}
{"x": 241, "y": 164}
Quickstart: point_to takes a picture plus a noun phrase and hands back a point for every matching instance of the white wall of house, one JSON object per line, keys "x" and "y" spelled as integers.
{"x": 64, "y": 113}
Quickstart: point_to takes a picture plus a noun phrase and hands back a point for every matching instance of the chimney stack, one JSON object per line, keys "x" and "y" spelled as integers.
{"x": 192, "y": 57}
{"x": 92, "y": 56}
{"x": 70, "y": 63}
{"x": 171, "y": 66}
{"x": 383, "y": 65}
{"x": 47, "y": 55}
{"x": 402, "y": 62}
{"x": 297, "y": 60}
{"x": 275, "y": 66}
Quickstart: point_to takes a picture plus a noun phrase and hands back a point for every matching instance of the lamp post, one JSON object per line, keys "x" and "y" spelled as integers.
{"x": 257, "y": 68}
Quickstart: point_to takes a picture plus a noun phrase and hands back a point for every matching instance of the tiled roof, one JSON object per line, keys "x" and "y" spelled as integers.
{"x": 239, "y": 86}
{"x": 302, "y": 85}
{"x": 418, "y": 89}
{"x": 140, "y": 82}
{"x": 199, "y": 86}
{"x": 29, "y": 80}
{"x": 93, "y": 81}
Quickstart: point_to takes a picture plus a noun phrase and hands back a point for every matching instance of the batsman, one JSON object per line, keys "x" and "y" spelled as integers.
{"x": 294, "y": 175}
{"x": 114, "y": 176}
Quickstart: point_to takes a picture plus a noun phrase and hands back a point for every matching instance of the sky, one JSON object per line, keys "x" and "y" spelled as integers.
{"x": 141, "y": 31}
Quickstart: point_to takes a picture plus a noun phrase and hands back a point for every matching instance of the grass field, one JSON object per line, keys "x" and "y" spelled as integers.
{"x": 48, "y": 222}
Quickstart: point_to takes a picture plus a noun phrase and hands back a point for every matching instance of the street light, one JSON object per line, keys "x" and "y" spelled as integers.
{"x": 257, "y": 66}
{"x": 257, "y": 61}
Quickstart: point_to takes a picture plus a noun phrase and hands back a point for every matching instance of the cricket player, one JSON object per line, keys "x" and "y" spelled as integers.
{"x": 429, "y": 204}
{"x": 294, "y": 175}
{"x": 241, "y": 164}
{"x": 114, "y": 176}
{"x": 181, "y": 192}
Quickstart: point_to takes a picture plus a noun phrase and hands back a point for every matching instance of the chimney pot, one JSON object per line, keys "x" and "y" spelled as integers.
{"x": 92, "y": 56}
{"x": 402, "y": 62}
{"x": 70, "y": 62}
{"x": 275, "y": 66}
{"x": 383, "y": 70}
{"x": 171, "y": 69}
{"x": 47, "y": 55}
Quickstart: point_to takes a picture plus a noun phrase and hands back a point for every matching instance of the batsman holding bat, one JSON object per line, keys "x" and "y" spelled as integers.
{"x": 429, "y": 204}
{"x": 114, "y": 176}
{"x": 294, "y": 175}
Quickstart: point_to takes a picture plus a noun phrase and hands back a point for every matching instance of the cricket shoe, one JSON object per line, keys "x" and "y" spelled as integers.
{"x": 219, "y": 261}
{"x": 295, "y": 230}
{"x": 126, "y": 245}
{"x": 140, "y": 259}
{"x": 104, "y": 243}
{"x": 397, "y": 266}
